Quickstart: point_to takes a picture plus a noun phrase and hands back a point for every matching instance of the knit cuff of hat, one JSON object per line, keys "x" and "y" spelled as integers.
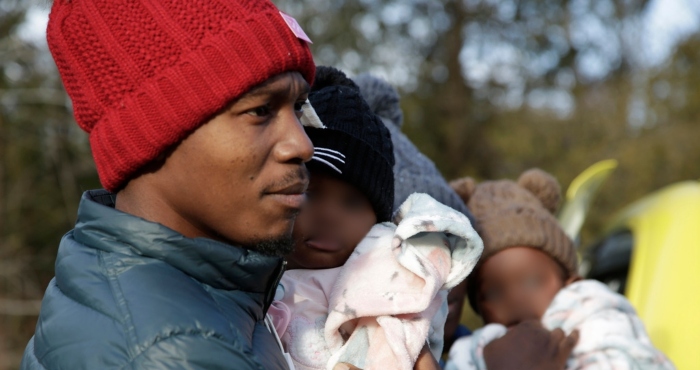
{"x": 529, "y": 230}
{"x": 364, "y": 168}
{"x": 167, "y": 104}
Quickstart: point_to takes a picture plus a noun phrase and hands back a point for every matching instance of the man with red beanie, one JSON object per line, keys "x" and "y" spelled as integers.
{"x": 193, "y": 109}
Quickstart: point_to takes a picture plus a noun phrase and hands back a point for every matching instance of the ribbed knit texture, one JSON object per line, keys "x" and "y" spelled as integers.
{"x": 353, "y": 130}
{"x": 144, "y": 74}
{"x": 413, "y": 171}
{"x": 511, "y": 214}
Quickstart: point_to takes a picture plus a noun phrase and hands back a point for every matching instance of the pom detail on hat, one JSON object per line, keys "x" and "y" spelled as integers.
{"x": 464, "y": 187}
{"x": 329, "y": 76}
{"x": 544, "y": 186}
{"x": 381, "y": 97}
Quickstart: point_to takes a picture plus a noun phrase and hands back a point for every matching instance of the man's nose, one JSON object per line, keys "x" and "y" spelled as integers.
{"x": 295, "y": 145}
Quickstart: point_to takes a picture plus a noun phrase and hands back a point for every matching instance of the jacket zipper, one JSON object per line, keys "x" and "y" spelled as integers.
{"x": 271, "y": 290}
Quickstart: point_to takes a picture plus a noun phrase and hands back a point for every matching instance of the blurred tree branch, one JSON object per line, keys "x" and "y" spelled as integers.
{"x": 45, "y": 162}
{"x": 15, "y": 307}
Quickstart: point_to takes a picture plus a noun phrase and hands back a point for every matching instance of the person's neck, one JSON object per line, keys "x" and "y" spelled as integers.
{"x": 140, "y": 198}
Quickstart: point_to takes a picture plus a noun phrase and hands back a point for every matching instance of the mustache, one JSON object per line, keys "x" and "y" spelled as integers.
{"x": 293, "y": 177}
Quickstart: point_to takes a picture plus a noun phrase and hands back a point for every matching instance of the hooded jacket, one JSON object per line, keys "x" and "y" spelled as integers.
{"x": 133, "y": 294}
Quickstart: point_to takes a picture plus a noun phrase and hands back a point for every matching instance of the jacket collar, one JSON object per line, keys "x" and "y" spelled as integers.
{"x": 217, "y": 264}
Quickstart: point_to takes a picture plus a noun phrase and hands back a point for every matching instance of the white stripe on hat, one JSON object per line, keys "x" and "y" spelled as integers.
{"x": 329, "y": 150}
{"x": 331, "y": 156}
{"x": 327, "y": 163}
{"x": 329, "y": 153}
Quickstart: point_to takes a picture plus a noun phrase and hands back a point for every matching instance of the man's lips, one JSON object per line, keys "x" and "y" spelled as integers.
{"x": 292, "y": 196}
{"x": 290, "y": 200}
{"x": 295, "y": 188}
{"x": 323, "y": 245}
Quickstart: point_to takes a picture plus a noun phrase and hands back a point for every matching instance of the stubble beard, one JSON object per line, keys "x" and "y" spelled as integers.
{"x": 279, "y": 247}
{"x": 284, "y": 245}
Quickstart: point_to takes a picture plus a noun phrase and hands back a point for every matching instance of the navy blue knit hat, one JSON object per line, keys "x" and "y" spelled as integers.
{"x": 355, "y": 145}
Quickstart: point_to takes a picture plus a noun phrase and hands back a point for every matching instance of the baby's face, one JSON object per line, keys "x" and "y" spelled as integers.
{"x": 517, "y": 284}
{"x": 335, "y": 218}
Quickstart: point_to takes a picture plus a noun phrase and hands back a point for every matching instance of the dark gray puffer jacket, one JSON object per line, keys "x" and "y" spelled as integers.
{"x": 133, "y": 294}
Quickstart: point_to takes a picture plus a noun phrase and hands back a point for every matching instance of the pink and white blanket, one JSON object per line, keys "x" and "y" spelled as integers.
{"x": 378, "y": 310}
{"x": 612, "y": 336}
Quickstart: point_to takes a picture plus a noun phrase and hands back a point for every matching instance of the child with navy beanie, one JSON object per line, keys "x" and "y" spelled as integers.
{"x": 360, "y": 289}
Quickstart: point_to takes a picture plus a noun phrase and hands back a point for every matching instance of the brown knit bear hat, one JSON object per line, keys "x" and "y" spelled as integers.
{"x": 511, "y": 214}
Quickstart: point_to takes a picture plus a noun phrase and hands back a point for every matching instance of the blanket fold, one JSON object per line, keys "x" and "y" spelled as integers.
{"x": 379, "y": 309}
{"x": 395, "y": 283}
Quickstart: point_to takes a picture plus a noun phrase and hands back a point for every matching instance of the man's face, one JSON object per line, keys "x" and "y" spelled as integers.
{"x": 240, "y": 177}
{"x": 333, "y": 222}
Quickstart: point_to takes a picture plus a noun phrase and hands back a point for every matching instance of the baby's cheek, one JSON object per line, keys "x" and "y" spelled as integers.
{"x": 544, "y": 299}
{"x": 556, "y": 287}
{"x": 493, "y": 315}
{"x": 302, "y": 223}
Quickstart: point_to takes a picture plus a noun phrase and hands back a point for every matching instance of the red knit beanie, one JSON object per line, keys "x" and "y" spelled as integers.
{"x": 143, "y": 74}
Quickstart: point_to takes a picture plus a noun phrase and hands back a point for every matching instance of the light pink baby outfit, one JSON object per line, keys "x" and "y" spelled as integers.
{"x": 379, "y": 308}
{"x": 612, "y": 337}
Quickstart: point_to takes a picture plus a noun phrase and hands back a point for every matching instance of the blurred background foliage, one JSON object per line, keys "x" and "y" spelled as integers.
{"x": 44, "y": 165}
{"x": 489, "y": 89}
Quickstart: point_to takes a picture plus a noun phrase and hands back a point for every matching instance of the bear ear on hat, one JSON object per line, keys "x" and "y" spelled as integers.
{"x": 543, "y": 186}
{"x": 464, "y": 187}
{"x": 330, "y": 76}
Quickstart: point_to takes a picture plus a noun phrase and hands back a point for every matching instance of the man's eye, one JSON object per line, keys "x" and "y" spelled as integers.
{"x": 261, "y": 111}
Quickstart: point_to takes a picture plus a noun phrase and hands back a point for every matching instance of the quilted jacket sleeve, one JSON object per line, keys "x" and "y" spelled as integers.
{"x": 192, "y": 352}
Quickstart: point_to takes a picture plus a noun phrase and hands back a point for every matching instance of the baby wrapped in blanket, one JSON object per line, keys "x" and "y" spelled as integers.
{"x": 378, "y": 309}
{"x": 528, "y": 271}
{"x": 360, "y": 289}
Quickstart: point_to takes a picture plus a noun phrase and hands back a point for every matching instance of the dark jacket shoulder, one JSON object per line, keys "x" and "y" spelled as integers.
{"x": 129, "y": 293}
